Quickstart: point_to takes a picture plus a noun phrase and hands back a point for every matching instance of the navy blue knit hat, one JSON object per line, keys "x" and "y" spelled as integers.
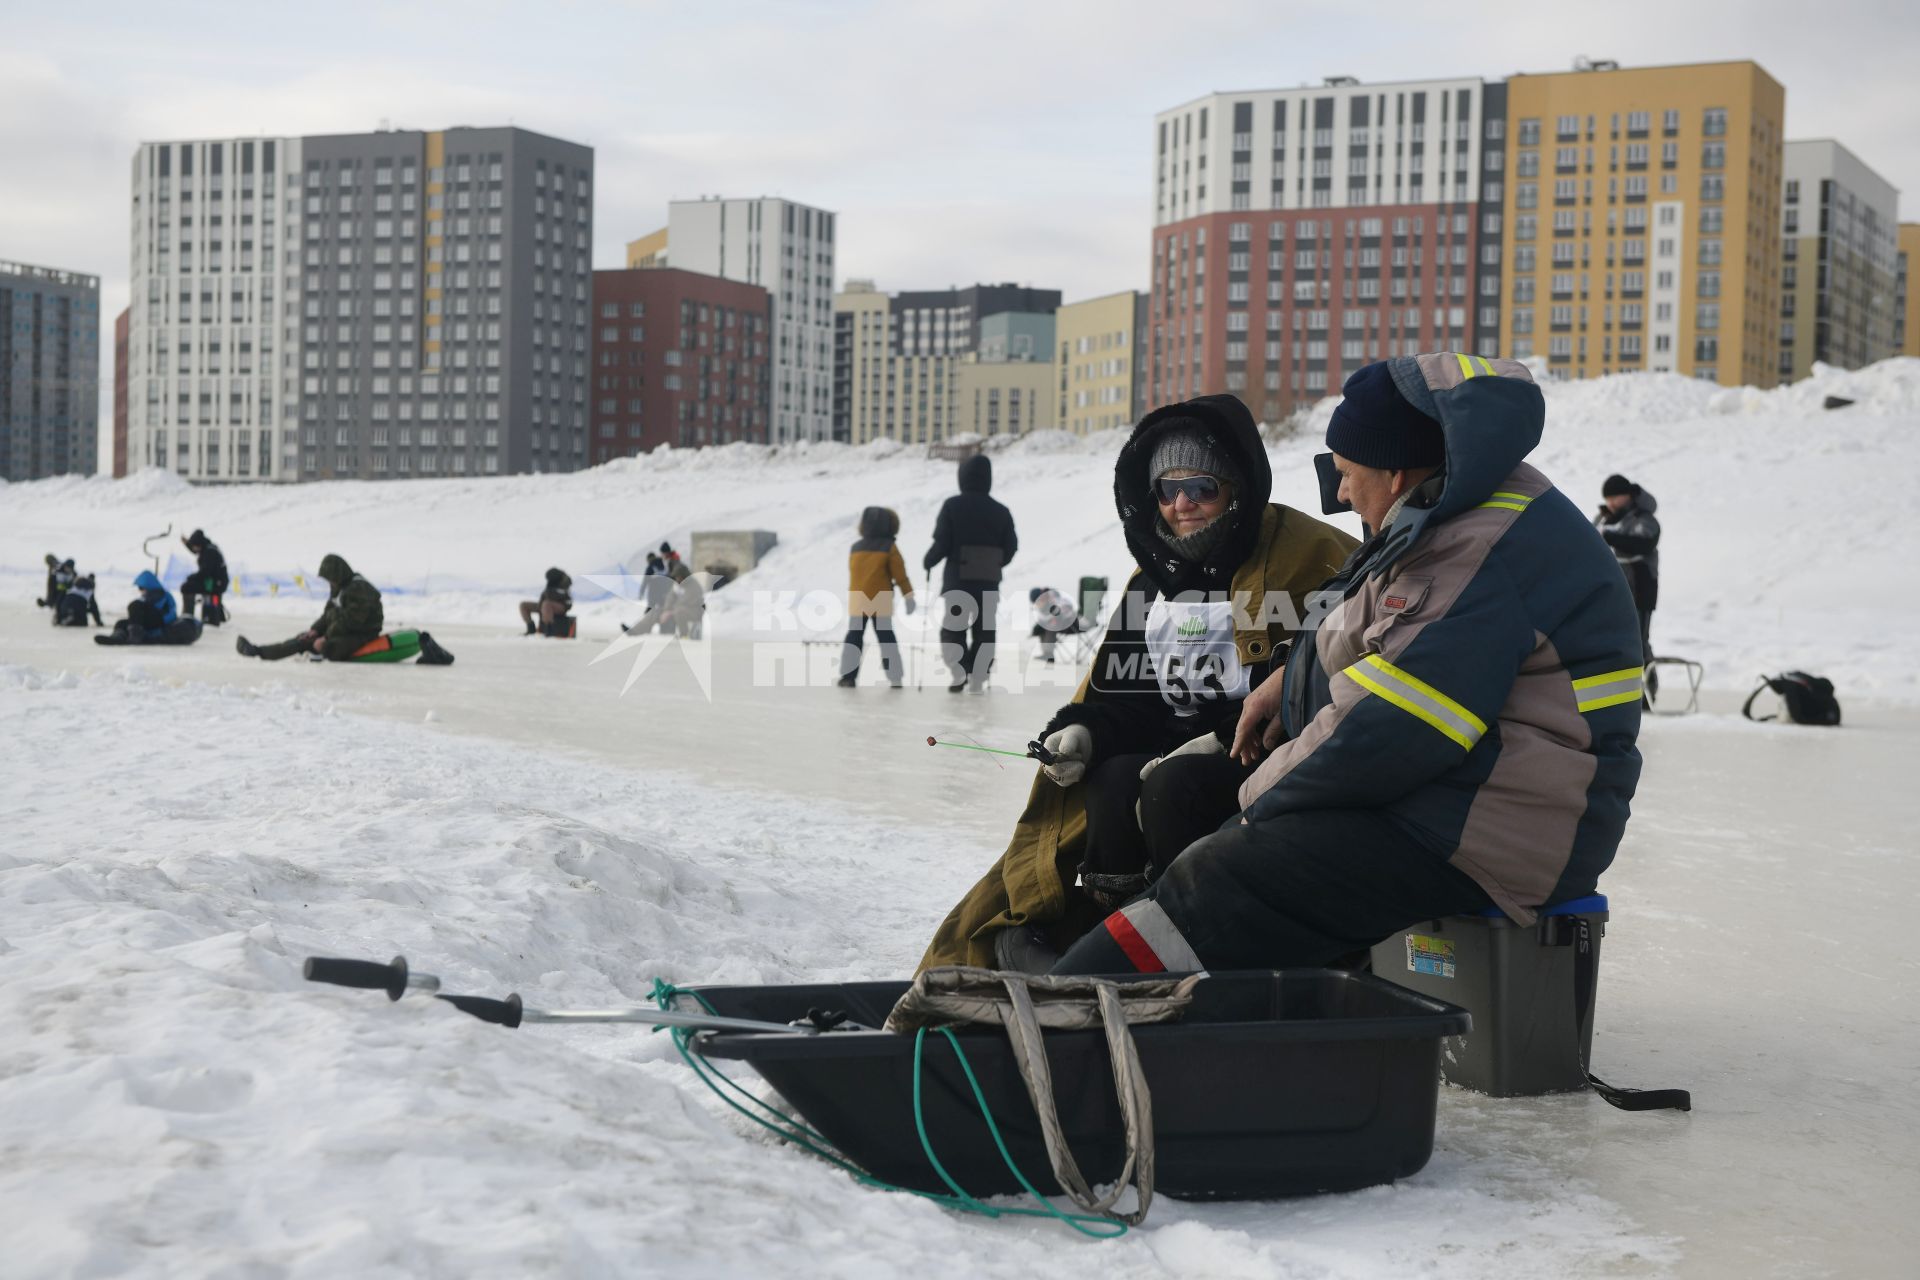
{"x": 1376, "y": 427}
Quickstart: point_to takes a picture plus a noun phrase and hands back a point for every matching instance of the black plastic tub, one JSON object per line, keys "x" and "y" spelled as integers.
{"x": 1274, "y": 1084}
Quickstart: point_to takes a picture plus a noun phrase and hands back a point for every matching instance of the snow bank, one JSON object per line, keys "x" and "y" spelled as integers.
{"x": 1784, "y": 542}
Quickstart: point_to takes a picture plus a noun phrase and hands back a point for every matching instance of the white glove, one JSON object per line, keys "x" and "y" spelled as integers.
{"x": 1072, "y": 748}
{"x": 1206, "y": 744}
{"x": 910, "y": 605}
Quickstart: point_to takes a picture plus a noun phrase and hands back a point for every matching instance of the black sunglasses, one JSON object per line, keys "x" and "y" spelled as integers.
{"x": 1199, "y": 489}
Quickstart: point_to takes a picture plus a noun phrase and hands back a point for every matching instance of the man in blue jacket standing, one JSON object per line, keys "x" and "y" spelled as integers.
{"x": 1457, "y": 731}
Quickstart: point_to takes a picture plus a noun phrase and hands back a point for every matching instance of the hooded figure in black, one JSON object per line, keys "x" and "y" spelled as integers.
{"x": 555, "y": 602}
{"x": 208, "y": 580}
{"x": 974, "y": 535}
{"x": 1192, "y": 486}
{"x": 1626, "y": 521}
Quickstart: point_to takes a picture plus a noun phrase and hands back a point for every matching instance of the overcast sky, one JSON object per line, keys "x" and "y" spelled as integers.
{"x": 959, "y": 141}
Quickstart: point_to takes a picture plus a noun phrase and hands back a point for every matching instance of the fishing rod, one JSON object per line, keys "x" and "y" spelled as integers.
{"x": 1035, "y": 749}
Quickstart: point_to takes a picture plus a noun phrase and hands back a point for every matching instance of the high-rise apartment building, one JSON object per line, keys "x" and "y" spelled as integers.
{"x": 788, "y": 250}
{"x": 121, "y": 326}
{"x": 678, "y": 358}
{"x": 1643, "y": 217}
{"x": 1301, "y": 233}
{"x": 1101, "y": 361}
{"x": 49, "y": 372}
{"x": 923, "y": 397}
{"x": 1906, "y": 308}
{"x": 381, "y": 305}
{"x": 1839, "y": 260}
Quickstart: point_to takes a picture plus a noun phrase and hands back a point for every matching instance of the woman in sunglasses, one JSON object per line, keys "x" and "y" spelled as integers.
{"x": 1140, "y": 767}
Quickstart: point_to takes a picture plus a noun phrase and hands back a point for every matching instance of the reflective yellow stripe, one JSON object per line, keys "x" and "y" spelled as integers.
{"x": 1417, "y": 698}
{"x": 1609, "y": 689}
{"x": 1486, "y": 367}
{"x": 1466, "y": 366}
{"x": 1508, "y": 501}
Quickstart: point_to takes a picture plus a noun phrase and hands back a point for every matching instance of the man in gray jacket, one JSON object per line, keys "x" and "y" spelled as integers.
{"x": 1626, "y": 522}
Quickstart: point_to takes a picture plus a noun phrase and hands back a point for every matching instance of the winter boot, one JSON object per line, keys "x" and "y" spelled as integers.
{"x": 849, "y": 680}
{"x": 431, "y": 654}
{"x": 531, "y": 629}
{"x": 246, "y": 648}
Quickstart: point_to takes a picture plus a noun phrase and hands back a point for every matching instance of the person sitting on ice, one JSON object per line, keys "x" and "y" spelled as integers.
{"x": 1140, "y": 755}
{"x": 77, "y": 604}
{"x": 1457, "y": 732}
{"x": 148, "y": 615}
{"x": 1054, "y": 616}
{"x": 352, "y": 618}
{"x": 208, "y": 582}
{"x": 60, "y": 576}
{"x": 551, "y": 607}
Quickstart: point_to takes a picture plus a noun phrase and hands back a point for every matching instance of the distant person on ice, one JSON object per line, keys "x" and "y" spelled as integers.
{"x": 974, "y": 535}
{"x": 353, "y": 617}
{"x": 77, "y": 604}
{"x": 208, "y": 579}
{"x": 1626, "y": 522}
{"x": 1141, "y": 768}
{"x": 149, "y": 614}
{"x": 1054, "y": 616}
{"x": 874, "y": 569}
{"x": 60, "y": 575}
{"x": 1456, "y": 733}
{"x": 554, "y": 603}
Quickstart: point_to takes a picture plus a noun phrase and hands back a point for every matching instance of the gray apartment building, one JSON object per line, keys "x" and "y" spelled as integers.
{"x": 382, "y": 305}
{"x": 946, "y": 322}
{"x": 49, "y": 372}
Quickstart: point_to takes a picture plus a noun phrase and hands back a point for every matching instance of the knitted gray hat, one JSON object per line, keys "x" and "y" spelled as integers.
{"x": 1184, "y": 445}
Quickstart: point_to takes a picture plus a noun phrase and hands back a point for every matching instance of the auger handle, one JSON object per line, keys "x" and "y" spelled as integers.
{"x": 504, "y": 1013}
{"x": 365, "y": 974}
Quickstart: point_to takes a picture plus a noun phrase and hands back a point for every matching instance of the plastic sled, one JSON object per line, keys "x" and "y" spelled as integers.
{"x": 398, "y": 646}
{"x": 1273, "y": 1084}
{"x": 179, "y": 631}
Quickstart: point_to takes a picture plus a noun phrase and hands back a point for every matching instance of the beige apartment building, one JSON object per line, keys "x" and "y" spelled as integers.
{"x": 1101, "y": 347}
{"x": 1643, "y": 211}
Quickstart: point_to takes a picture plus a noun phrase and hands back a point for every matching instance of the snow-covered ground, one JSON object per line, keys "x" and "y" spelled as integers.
{"x": 182, "y": 827}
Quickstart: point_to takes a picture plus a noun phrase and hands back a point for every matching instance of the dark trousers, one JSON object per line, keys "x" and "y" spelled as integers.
{"x": 1141, "y": 827}
{"x": 856, "y": 644}
{"x": 966, "y": 629}
{"x": 1646, "y": 653}
{"x": 194, "y": 589}
{"x": 1300, "y": 890}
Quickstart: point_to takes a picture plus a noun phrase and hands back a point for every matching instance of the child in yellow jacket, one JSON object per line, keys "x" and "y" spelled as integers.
{"x": 874, "y": 569}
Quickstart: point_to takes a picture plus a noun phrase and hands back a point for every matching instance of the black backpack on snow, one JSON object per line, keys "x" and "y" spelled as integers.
{"x": 1809, "y": 699}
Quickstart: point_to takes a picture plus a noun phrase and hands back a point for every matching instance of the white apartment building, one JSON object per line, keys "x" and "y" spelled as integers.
{"x": 212, "y": 383}
{"x": 787, "y": 249}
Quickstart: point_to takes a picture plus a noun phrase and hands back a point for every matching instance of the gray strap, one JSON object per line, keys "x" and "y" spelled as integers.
{"x": 1136, "y": 1111}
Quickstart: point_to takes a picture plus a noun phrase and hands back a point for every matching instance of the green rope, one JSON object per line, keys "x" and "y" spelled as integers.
{"x": 787, "y": 1129}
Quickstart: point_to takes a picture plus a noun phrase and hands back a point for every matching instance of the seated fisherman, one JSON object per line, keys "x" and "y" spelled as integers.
{"x": 1141, "y": 767}
{"x": 553, "y": 604}
{"x": 1457, "y": 732}
{"x": 148, "y": 615}
{"x": 208, "y": 582}
{"x": 77, "y": 604}
{"x": 353, "y": 617}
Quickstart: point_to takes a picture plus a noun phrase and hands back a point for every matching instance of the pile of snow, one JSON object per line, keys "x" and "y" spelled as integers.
{"x": 1783, "y": 521}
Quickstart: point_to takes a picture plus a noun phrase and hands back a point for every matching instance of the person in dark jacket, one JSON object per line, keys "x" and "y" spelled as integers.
{"x": 1456, "y": 732}
{"x": 77, "y": 603}
{"x": 974, "y": 536}
{"x": 148, "y": 615}
{"x": 874, "y": 569}
{"x": 1627, "y": 523}
{"x": 353, "y": 617}
{"x": 208, "y": 581}
{"x": 60, "y": 573}
{"x": 553, "y": 605}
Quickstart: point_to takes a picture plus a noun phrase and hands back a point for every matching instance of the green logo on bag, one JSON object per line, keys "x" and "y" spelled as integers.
{"x": 1192, "y": 629}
